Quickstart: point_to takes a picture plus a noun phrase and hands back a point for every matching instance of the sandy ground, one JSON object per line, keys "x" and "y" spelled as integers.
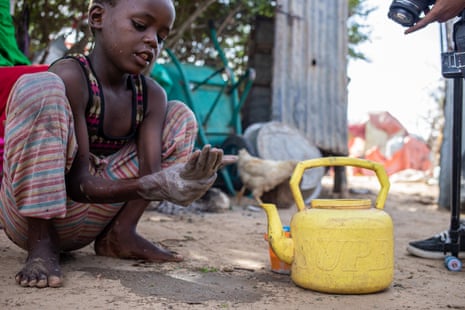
{"x": 227, "y": 265}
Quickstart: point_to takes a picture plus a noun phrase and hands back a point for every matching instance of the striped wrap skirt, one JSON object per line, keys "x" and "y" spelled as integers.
{"x": 40, "y": 146}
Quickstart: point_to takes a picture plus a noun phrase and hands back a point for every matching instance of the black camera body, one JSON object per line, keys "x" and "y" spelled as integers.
{"x": 407, "y": 12}
{"x": 453, "y": 63}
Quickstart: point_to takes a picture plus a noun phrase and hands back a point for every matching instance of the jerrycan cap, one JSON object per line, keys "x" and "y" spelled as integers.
{"x": 341, "y": 203}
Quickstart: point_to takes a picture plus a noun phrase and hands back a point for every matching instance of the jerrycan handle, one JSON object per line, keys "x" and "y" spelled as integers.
{"x": 339, "y": 161}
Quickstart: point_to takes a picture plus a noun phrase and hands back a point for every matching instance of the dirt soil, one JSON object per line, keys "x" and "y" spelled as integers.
{"x": 227, "y": 264}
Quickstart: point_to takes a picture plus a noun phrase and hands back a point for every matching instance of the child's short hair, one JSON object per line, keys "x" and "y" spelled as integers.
{"x": 110, "y": 2}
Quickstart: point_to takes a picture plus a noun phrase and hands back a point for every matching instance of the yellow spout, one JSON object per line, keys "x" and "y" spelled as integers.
{"x": 281, "y": 245}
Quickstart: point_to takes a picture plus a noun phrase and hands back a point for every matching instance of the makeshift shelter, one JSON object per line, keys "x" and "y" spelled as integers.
{"x": 382, "y": 138}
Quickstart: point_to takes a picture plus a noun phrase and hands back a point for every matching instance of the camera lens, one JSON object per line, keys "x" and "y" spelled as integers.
{"x": 402, "y": 16}
{"x": 407, "y": 12}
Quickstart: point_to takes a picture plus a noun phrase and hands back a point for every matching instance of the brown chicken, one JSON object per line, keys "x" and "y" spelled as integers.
{"x": 262, "y": 175}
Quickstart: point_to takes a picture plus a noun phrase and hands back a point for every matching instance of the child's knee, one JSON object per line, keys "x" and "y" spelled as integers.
{"x": 179, "y": 133}
{"x": 179, "y": 110}
{"x": 32, "y": 91}
{"x": 39, "y": 82}
{"x": 180, "y": 119}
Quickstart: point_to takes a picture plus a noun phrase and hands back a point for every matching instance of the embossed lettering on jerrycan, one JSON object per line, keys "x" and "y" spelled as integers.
{"x": 341, "y": 246}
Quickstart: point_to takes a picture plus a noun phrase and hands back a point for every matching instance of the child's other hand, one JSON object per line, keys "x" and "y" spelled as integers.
{"x": 203, "y": 163}
{"x": 185, "y": 183}
{"x": 208, "y": 159}
{"x": 229, "y": 160}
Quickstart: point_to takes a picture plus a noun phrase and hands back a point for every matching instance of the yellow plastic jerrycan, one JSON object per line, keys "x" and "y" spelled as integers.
{"x": 341, "y": 246}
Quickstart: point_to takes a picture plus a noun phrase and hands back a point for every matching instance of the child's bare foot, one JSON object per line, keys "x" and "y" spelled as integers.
{"x": 133, "y": 246}
{"x": 41, "y": 269}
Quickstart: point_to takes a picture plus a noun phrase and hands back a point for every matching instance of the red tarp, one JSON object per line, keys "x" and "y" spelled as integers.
{"x": 409, "y": 152}
{"x": 8, "y": 76}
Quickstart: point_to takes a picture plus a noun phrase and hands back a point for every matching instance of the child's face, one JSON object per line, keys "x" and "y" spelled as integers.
{"x": 133, "y": 31}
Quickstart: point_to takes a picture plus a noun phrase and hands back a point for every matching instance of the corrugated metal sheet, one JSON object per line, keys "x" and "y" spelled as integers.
{"x": 310, "y": 70}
